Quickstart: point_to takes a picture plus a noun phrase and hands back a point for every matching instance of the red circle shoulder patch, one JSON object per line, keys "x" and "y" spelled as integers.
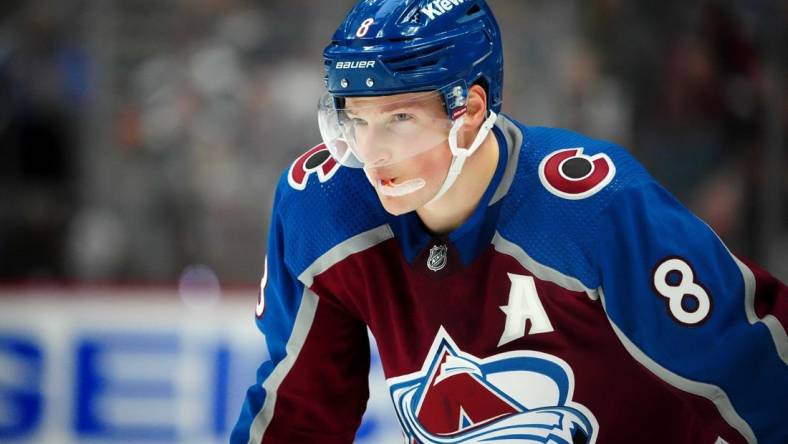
{"x": 570, "y": 174}
{"x": 317, "y": 160}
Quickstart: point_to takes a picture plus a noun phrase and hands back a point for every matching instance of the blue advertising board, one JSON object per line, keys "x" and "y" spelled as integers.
{"x": 136, "y": 366}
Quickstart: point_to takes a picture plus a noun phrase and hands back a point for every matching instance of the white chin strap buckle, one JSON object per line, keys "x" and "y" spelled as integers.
{"x": 459, "y": 155}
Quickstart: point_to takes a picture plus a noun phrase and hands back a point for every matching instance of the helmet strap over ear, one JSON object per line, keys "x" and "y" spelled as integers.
{"x": 459, "y": 155}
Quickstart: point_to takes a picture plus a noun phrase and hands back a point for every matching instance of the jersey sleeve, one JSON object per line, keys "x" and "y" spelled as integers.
{"x": 315, "y": 386}
{"x": 702, "y": 320}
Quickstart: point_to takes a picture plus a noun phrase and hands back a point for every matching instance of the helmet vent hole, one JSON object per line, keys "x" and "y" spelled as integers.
{"x": 429, "y": 53}
{"x": 423, "y": 65}
{"x": 412, "y": 17}
{"x": 473, "y": 10}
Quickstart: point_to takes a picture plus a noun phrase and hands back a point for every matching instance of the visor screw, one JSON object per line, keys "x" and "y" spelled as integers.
{"x": 370, "y": 82}
{"x": 343, "y": 83}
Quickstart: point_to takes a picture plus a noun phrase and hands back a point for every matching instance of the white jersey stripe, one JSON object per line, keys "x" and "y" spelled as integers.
{"x": 772, "y": 324}
{"x": 514, "y": 141}
{"x": 539, "y": 270}
{"x": 339, "y": 252}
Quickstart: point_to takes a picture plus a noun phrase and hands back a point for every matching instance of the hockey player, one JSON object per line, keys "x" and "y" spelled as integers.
{"x": 523, "y": 284}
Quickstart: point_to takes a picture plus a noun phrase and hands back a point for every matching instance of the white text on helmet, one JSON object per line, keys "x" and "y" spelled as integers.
{"x": 440, "y": 7}
{"x": 363, "y": 64}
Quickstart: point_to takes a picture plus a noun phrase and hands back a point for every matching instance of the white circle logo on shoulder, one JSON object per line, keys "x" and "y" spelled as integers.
{"x": 317, "y": 160}
{"x": 570, "y": 174}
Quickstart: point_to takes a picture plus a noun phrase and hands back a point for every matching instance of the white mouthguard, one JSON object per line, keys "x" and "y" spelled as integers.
{"x": 401, "y": 189}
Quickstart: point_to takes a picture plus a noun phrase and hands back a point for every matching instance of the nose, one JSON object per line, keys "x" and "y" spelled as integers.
{"x": 372, "y": 148}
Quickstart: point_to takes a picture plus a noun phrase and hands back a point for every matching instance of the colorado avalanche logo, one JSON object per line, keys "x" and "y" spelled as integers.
{"x": 570, "y": 174}
{"x": 521, "y": 396}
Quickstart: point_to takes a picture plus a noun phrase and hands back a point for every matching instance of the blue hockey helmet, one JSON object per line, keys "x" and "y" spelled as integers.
{"x": 392, "y": 47}
{"x": 386, "y": 47}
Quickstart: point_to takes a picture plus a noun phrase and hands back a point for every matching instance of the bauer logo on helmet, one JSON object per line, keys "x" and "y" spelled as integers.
{"x": 358, "y": 64}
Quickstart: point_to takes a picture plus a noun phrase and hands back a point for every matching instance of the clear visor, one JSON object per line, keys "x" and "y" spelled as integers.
{"x": 379, "y": 131}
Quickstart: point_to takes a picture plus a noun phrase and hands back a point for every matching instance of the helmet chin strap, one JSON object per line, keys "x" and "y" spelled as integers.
{"x": 459, "y": 155}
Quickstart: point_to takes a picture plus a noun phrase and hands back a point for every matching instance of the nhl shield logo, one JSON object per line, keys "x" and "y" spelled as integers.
{"x": 438, "y": 257}
{"x": 520, "y": 396}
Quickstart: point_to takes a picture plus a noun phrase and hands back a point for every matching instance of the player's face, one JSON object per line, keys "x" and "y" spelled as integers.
{"x": 408, "y": 184}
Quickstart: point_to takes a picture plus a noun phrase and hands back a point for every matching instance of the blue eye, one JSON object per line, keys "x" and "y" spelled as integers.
{"x": 402, "y": 117}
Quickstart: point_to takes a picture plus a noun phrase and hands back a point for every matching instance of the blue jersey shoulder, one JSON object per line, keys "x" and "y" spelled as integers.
{"x": 563, "y": 181}
{"x": 319, "y": 204}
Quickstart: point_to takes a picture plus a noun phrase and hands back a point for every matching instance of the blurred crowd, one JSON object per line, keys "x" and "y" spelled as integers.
{"x": 139, "y": 138}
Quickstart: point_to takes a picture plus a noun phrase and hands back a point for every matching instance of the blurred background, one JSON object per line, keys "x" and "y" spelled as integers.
{"x": 141, "y": 140}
